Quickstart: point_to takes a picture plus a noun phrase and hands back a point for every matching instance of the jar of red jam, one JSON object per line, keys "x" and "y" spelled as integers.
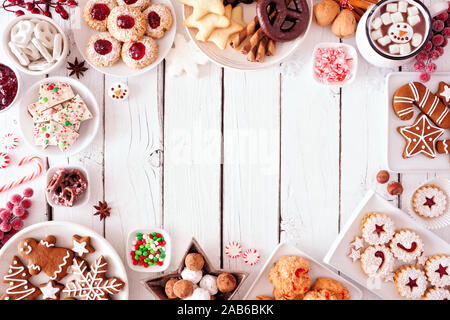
{"x": 9, "y": 86}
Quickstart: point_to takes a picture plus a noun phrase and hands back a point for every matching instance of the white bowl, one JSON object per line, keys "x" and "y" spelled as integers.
{"x": 350, "y": 50}
{"x": 234, "y": 59}
{"x": 88, "y": 129}
{"x": 6, "y": 38}
{"x": 150, "y": 269}
{"x": 19, "y": 85}
{"x": 82, "y": 200}
{"x": 82, "y": 32}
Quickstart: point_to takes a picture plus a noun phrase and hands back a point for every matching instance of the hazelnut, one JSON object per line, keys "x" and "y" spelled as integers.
{"x": 169, "y": 288}
{"x": 383, "y": 176}
{"x": 395, "y": 188}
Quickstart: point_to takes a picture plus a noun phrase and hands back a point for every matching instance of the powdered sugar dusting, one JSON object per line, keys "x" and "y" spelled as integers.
{"x": 406, "y": 239}
{"x": 370, "y": 225}
{"x": 411, "y": 282}
{"x": 374, "y": 266}
{"x": 429, "y": 193}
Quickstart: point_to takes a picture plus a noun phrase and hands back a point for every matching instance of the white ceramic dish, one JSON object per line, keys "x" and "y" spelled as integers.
{"x": 13, "y": 59}
{"x": 350, "y": 50}
{"x": 263, "y": 287}
{"x": 82, "y": 33}
{"x": 82, "y": 200}
{"x": 63, "y": 231}
{"x": 150, "y": 269}
{"x": 395, "y": 142}
{"x": 234, "y": 59}
{"x": 337, "y": 255}
{"x": 19, "y": 86}
{"x": 88, "y": 129}
{"x": 431, "y": 223}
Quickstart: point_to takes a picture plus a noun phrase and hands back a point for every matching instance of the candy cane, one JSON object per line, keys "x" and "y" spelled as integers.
{"x": 36, "y": 173}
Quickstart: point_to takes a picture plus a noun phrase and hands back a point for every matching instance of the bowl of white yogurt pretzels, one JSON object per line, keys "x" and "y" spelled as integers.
{"x": 35, "y": 44}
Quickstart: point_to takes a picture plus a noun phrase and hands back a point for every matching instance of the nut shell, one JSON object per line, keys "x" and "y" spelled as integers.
{"x": 383, "y": 176}
{"x": 345, "y": 24}
{"x": 395, "y": 188}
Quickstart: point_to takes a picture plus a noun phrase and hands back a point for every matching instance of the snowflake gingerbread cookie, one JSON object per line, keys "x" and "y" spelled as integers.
{"x": 44, "y": 256}
{"x": 92, "y": 284}
{"x": 19, "y": 286}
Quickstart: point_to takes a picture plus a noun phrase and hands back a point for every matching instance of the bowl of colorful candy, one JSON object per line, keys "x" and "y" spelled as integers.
{"x": 334, "y": 64}
{"x": 148, "y": 250}
{"x": 9, "y": 86}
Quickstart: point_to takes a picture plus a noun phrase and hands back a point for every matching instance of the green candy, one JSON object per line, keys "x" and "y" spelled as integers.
{"x": 152, "y": 251}
{"x": 155, "y": 238}
{"x": 153, "y": 233}
{"x": 151, "y": 241}
{"x": 138, "y": 252}
{"x": 145, "y": 253}
{"x": 139, "y": 236}
{"x": 147, "y": 245}
{"x": 141, "y": 246}
{"x": 162, "y": 255}
{"x": 155, "y": 259}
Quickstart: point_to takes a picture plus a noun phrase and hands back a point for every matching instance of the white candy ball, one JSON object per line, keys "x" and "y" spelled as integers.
{"x": 209, "y": 283}
{"x": 193, "y": 276}
{"x": 199, "y": 294}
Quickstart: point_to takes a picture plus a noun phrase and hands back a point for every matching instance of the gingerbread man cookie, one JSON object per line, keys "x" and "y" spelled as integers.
{"x": 81, "y": 245}
{"x": 44, "y": 256}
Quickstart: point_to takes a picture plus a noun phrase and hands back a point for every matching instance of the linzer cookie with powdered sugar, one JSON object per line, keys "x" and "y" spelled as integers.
{"x": 406, "y": 245}
{"x": 377, "y": 228}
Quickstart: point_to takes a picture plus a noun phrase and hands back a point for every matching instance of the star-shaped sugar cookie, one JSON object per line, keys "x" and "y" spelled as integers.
{"x": 420, "y": 137}
{"x": 203, "y": 7}
{"x": 206, "y": 25}
{"x": 81, "y": 245}
{"x": 220, "y": 36}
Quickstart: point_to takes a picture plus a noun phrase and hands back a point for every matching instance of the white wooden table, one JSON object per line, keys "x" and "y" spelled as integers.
{"x": 257, "y": 157}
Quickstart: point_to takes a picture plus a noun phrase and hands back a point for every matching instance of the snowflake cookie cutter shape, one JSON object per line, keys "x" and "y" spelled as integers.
{"x": 156, "y": 285}
{"x": 92, "y": 283}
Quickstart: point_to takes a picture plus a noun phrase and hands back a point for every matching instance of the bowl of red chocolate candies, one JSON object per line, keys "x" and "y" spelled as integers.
{"x": 148, "y": 250}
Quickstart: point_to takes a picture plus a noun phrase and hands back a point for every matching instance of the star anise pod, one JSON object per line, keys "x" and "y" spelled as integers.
{"x": 103, "y": 211}
{"x": 77, "y": 68}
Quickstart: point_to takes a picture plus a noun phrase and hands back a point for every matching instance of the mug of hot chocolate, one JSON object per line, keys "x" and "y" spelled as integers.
{"x": 392, "y": 32}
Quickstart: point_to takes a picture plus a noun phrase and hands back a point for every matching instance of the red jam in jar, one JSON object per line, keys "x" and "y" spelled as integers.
{"x": 8, "y": 86}
{"x": 100, "y": 11}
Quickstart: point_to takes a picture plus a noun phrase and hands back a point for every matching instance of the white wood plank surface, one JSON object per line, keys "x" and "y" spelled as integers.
{"x": 258, "y": 157}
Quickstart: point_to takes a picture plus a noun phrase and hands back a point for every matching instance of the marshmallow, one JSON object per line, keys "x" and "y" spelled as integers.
{"x": 199, "y": 294}
{"x": 384, "y": 41}
{"x": 394, "y": 49}
{"x": 397, "y": 17}
{"x": 209, "y": 283}
{"x": 192, "y": 276}
{"x": 45, "y": 33}
{"x": 413, "y": 11}
{"x": 405, "y": 49}
{"x": 386, "y": 18}
{"x": 22, "y": 57}
{"x": 22, "y": 32}
{"x": 391, "y": 7}
{"x": 413, "y": 20}
{"x": 39, "y": 65}
{"x": 42, "y": 50}
{"x": 377, "y": 34}
{"x": 57, "y": 46}
{"x": 416, "y": 40}
{"x": 402, "y": 6}
{"x": 376, "y": 23}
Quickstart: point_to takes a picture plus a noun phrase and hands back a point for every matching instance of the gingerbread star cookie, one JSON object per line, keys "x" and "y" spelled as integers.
{"x": 81, "y": 245}
{"x": 220, "y": 36}
{"x": 420, "y": 137}
{"x": 51, "y": 290}
{"x": 203, "y": 7}
{"x": 444, "y": 92}
{"x": 206, "y": 25}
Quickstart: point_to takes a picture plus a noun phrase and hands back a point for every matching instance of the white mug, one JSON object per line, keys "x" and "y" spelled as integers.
{"x": 376, "y": 56}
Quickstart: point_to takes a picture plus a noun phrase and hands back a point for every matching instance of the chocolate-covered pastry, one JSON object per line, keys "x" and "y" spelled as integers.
{"x": 66, "y": 186}
{"x": 289, "y": 22}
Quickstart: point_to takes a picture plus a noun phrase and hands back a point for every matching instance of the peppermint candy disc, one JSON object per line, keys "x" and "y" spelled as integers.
{"x": 251, "y": 257}
{"x": 233, "y": 249}
{"x": 4, "y": 160}
{"x": 9, "y": 141}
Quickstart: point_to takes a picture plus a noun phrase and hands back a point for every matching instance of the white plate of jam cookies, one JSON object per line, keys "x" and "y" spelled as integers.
{"x": 312, "y": 280}
{"x": 125, "y": 37}
{"x": 418, "y": 139}
{"x": 44, "y": 262}
{"x": 242, "y": 35}
{"x": 386, "y": 251}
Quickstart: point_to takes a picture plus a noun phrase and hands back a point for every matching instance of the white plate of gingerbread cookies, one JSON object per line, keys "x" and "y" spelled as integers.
{"x": 58, "y": 260}
{"x": 125, "y": 38}
{"x": 320, "y": 283}
{"x": 230, "y": 34}
{"x": 418, "y": 121}
{"x": 384, "y": 250}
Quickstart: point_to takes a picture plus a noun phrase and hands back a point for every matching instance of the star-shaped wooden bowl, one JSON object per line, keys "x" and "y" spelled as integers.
{"x": 157, "y": 284}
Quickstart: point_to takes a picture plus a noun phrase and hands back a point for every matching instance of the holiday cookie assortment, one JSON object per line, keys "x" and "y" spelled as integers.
{"x": 388, "y": 254}
{"x": 291, "y": 280}
{"x": 221, "y": 22}
{"x": 57, "y": 115}
{"x": 36, "y": 256}
{"x": 127, "y": 30}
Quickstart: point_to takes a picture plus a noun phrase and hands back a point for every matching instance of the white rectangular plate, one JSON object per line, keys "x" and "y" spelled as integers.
{"x": 263, "y": 287}
{"x": 396, "y": 143}
{"x": 337, "y": 255}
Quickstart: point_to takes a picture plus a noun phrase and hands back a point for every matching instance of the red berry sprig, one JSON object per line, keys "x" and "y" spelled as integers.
{"x": 39, "y": 7}
{"x": 434, "y": 48}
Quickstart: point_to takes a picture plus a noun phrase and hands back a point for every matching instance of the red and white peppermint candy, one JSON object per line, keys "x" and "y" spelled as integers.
{"x": 9, "y": 141}
{"x": 251, "y": 257}
{"x": 4, "y": 160}
{"x": 233, "y": 249}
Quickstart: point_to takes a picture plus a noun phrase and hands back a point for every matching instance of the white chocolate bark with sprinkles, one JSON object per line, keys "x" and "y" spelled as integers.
{"x": 72, "y": 111}
{"x": 46, "y": 134}
{"x": 53, "y": 93}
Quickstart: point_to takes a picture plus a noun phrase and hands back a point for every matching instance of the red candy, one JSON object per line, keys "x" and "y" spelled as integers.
{"x": 332, "y": 65}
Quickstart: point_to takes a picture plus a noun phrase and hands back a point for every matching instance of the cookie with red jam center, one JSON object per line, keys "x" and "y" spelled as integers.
{"x": 96, "y": 12}
{"x": 140, "y": 54}
{"x": 159, "y": 20}
{"x": 103, "y": 50}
